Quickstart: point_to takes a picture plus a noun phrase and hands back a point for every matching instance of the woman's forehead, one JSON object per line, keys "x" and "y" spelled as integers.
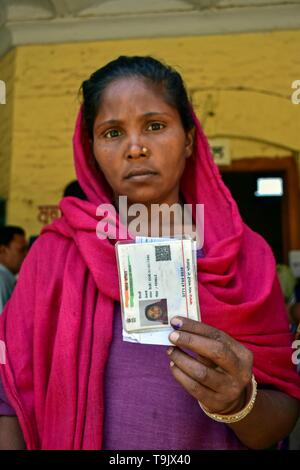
{"x": 132, "y": 84}
{"x": 132, "y": 96}
{"x": 128, "y": 89}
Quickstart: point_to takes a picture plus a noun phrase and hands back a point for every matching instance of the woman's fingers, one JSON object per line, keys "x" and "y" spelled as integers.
{"x": 202, "y": 329}
{"x": 218, "y": 352}
{"x": 210, "y": 378}
{"x": 207, "y": 397}
{"x": 216, "y": 346}
{"x": 207, "y": 362}
{"x": 218, "y": 372}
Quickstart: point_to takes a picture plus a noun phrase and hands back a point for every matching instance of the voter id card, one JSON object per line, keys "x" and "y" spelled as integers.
{"x": 157, "y": 282}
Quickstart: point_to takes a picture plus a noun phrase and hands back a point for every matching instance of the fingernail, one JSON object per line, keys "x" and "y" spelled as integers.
{"x": 174, "y": 336}
{"x": 171, "y": 364}
{"x": 169, "y": 351}
{"x": 176, "y": 323}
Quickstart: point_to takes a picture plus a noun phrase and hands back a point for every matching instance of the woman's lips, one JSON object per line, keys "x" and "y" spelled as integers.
{"x": 141, "y": 176}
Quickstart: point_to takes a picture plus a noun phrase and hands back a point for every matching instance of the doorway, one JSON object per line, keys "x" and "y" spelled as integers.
{"x": 275, "y": 217}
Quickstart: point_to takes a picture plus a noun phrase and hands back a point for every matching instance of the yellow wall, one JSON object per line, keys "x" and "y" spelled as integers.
{"x": 244, "y": 79}
{"x": 7, "y": 74}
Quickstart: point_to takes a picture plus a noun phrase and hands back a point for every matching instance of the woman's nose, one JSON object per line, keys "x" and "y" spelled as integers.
{"x": 136, "y": 150}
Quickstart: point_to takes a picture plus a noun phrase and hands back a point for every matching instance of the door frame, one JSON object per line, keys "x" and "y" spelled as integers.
{"x": 291, "y": 200}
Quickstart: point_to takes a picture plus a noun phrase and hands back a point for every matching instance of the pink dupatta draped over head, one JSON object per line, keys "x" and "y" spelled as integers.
{"x": 57, "y": 327}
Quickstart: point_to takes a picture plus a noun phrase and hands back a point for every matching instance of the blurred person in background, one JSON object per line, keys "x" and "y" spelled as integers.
{"x": 13, "y": 249}
{"x": 294, "y": 311}
{"x": 291, "y": 290}
{"x": 74, "y": 189}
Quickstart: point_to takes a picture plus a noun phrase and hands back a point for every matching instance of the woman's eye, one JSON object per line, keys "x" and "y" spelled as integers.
{"x": 155, "y": 126}
{"x": 112, "y": 133}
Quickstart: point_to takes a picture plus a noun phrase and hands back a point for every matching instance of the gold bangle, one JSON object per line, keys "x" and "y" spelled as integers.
{"x": 233, "y": 418}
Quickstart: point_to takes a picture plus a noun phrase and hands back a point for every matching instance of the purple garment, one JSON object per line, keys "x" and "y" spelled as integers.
{"x": 145, "y": 408}
{"x": 5, "y": 408}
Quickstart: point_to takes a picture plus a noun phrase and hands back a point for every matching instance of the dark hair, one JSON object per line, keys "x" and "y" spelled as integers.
{"x": 74, "y": 189}
{"x": 146, "y": 68}
{"x": 8, "y": 232}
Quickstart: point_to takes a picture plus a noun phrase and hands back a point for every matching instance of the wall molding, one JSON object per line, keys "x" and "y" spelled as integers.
{"x": 149, "y": 25}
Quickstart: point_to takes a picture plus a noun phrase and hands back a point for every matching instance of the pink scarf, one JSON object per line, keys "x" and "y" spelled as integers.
{"x": 58, "y": 324}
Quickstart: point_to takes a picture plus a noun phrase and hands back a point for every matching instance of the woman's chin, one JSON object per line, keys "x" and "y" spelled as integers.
{"x": 145, "y": 197}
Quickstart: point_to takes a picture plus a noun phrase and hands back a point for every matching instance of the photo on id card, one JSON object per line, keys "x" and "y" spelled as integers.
{"x": 157, "y": 282}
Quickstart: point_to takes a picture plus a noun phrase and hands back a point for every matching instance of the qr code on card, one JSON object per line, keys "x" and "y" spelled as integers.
{"x": 163, "y": 253}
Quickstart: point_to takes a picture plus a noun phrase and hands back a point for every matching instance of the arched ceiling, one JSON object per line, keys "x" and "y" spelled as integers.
{"x": 44, "y": 21}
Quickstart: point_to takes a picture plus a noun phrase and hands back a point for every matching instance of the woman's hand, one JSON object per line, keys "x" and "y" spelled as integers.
{"x": 219, "y": 371}
{"x": 11, "y": 437}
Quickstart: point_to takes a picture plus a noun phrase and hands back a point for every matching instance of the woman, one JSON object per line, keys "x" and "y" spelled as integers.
{"x": 72, "y": 381}
{"x": 157, "y": 312}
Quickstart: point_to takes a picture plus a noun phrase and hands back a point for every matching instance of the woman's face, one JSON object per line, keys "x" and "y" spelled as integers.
{"x": 155, "y": 312}
{"x": 135, "y": 116}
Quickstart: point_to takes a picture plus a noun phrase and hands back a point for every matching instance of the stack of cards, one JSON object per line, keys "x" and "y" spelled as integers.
{"x": 158, "y": 280}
